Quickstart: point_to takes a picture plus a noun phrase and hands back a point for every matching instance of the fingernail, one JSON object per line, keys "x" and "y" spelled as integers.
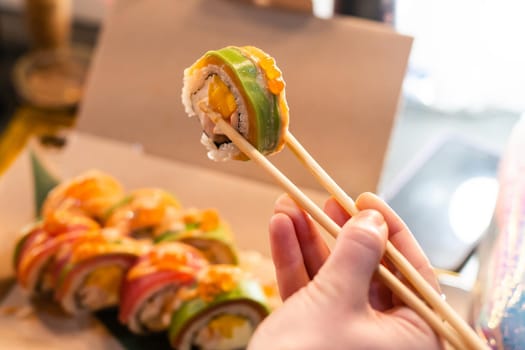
{"x": 371, "y": 217}
{"x": 371, "y": 222}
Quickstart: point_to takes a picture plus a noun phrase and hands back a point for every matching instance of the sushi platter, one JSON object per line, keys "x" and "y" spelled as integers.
{"x": 45, "y": 324}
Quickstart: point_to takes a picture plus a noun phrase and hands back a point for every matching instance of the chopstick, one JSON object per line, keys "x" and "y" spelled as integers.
{"x": 416, "y": 304}
{"x": 426, "y": 291}
{"x": 402, "y": 291}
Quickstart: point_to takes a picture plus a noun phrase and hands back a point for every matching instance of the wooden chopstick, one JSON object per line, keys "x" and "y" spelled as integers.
{"x": 429, "y": 294}
{"x": 402, "y": 291}
{"x": 416, "y": 304}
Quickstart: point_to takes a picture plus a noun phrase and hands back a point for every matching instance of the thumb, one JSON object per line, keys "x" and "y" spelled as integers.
{"x": 348, "y": 271}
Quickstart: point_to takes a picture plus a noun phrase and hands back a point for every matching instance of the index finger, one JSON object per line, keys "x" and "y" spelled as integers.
{"x": 400, "y": 236}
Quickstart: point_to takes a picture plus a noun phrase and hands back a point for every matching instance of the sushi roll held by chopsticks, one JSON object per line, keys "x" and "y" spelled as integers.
{"x": 243, "y": 86}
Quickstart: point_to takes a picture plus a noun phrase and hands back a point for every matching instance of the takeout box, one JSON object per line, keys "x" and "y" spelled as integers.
{"x": 245, "y": 204}
{"x": 343, "y": 76}
{"x": 343, "y": 84}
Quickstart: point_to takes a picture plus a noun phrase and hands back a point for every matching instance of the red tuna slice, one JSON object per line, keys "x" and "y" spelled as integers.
{"x": 73, "y": 276}
{"x": 36, "y": 235}
{"x": 36, "y": 258}
{"x": 169, "y": 265}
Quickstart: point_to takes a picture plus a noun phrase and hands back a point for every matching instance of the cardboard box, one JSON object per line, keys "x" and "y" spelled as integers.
{"x": 343, "y": 77}
{"x": 45, "y": 327}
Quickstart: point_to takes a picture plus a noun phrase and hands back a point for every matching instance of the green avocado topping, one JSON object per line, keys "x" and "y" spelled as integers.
{"x": 265, "y": 105}
{"x": 246, "y": 291}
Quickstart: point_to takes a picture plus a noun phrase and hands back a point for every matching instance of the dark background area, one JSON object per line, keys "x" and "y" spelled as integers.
{"x": 14, "y": 42}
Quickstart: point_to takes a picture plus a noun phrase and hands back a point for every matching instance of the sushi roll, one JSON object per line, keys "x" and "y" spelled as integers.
{"x": 243, "y": 86}
{"x": 206, "y": 231}
{"x": 90, "y": 275}
{"x": 91, "y": 194}
{"x": 29, "y": 236}
{"x": 220, "y": 312}
{"x": 141, "y": 212}
{"x": 36, "y": 252}
{"x": 149, "y": 292}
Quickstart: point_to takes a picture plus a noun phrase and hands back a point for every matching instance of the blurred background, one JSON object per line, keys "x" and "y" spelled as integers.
{"x": 462, "y": 94}
{"x": 462, "y": 89}
{"x": 465, "y": 72}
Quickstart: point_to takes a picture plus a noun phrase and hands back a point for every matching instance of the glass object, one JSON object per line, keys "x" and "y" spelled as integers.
{"x": 52, "y": 79}
{"x": 498, "y": 312}
{"x": 49, "y": 84}
{"x": 49, "y": 22}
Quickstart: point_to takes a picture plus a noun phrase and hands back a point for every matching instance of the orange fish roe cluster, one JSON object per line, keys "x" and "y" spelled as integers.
{"x": 216, "y": 280}
{"x": 64, "y": 221}
{"x": 270, "y": 290}
{"x": 101, "y": 246}
{"x": 273, "y": 74}
{"x": 143, "y": 208}
{"x": 90, "y": 194}
{"x": 207, "y": 219}
{"x": 166, "y": 260}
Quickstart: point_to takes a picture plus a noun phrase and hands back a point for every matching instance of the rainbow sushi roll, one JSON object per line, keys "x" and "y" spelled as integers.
{"x": 206, "y": 231}
{"x": 31, "y": 235}
{"x": 149, "y": 292}
{"x": 91, "y": 273}
{"x": 90, "y": 194}
{"x": 164, "y": 267}
{"x": 243, "y": 86}
{"x": 37, "y": 250}
{"x": 141, "y": 212}
{"x": 221, "y": 312}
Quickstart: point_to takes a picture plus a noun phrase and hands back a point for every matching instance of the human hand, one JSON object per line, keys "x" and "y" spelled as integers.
{"x": 334, "y": 300}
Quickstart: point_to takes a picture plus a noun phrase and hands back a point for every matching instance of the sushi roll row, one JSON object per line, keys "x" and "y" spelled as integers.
{"x": 154, "y": 214}
{"x": 42, "y": 242}
{"x": 201, "y": 305}
{"x": 166, "y": 268}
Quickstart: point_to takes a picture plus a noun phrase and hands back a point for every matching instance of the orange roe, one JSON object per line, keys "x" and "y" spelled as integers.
{"x": 218, "y": 279}
{"x": 89, "y": 249}
{"x": 272, "y": 73}
{"x": 206, "y": 220}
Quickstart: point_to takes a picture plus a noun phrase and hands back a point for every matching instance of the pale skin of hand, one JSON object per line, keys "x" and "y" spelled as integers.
{"x": 332, "y": 300}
